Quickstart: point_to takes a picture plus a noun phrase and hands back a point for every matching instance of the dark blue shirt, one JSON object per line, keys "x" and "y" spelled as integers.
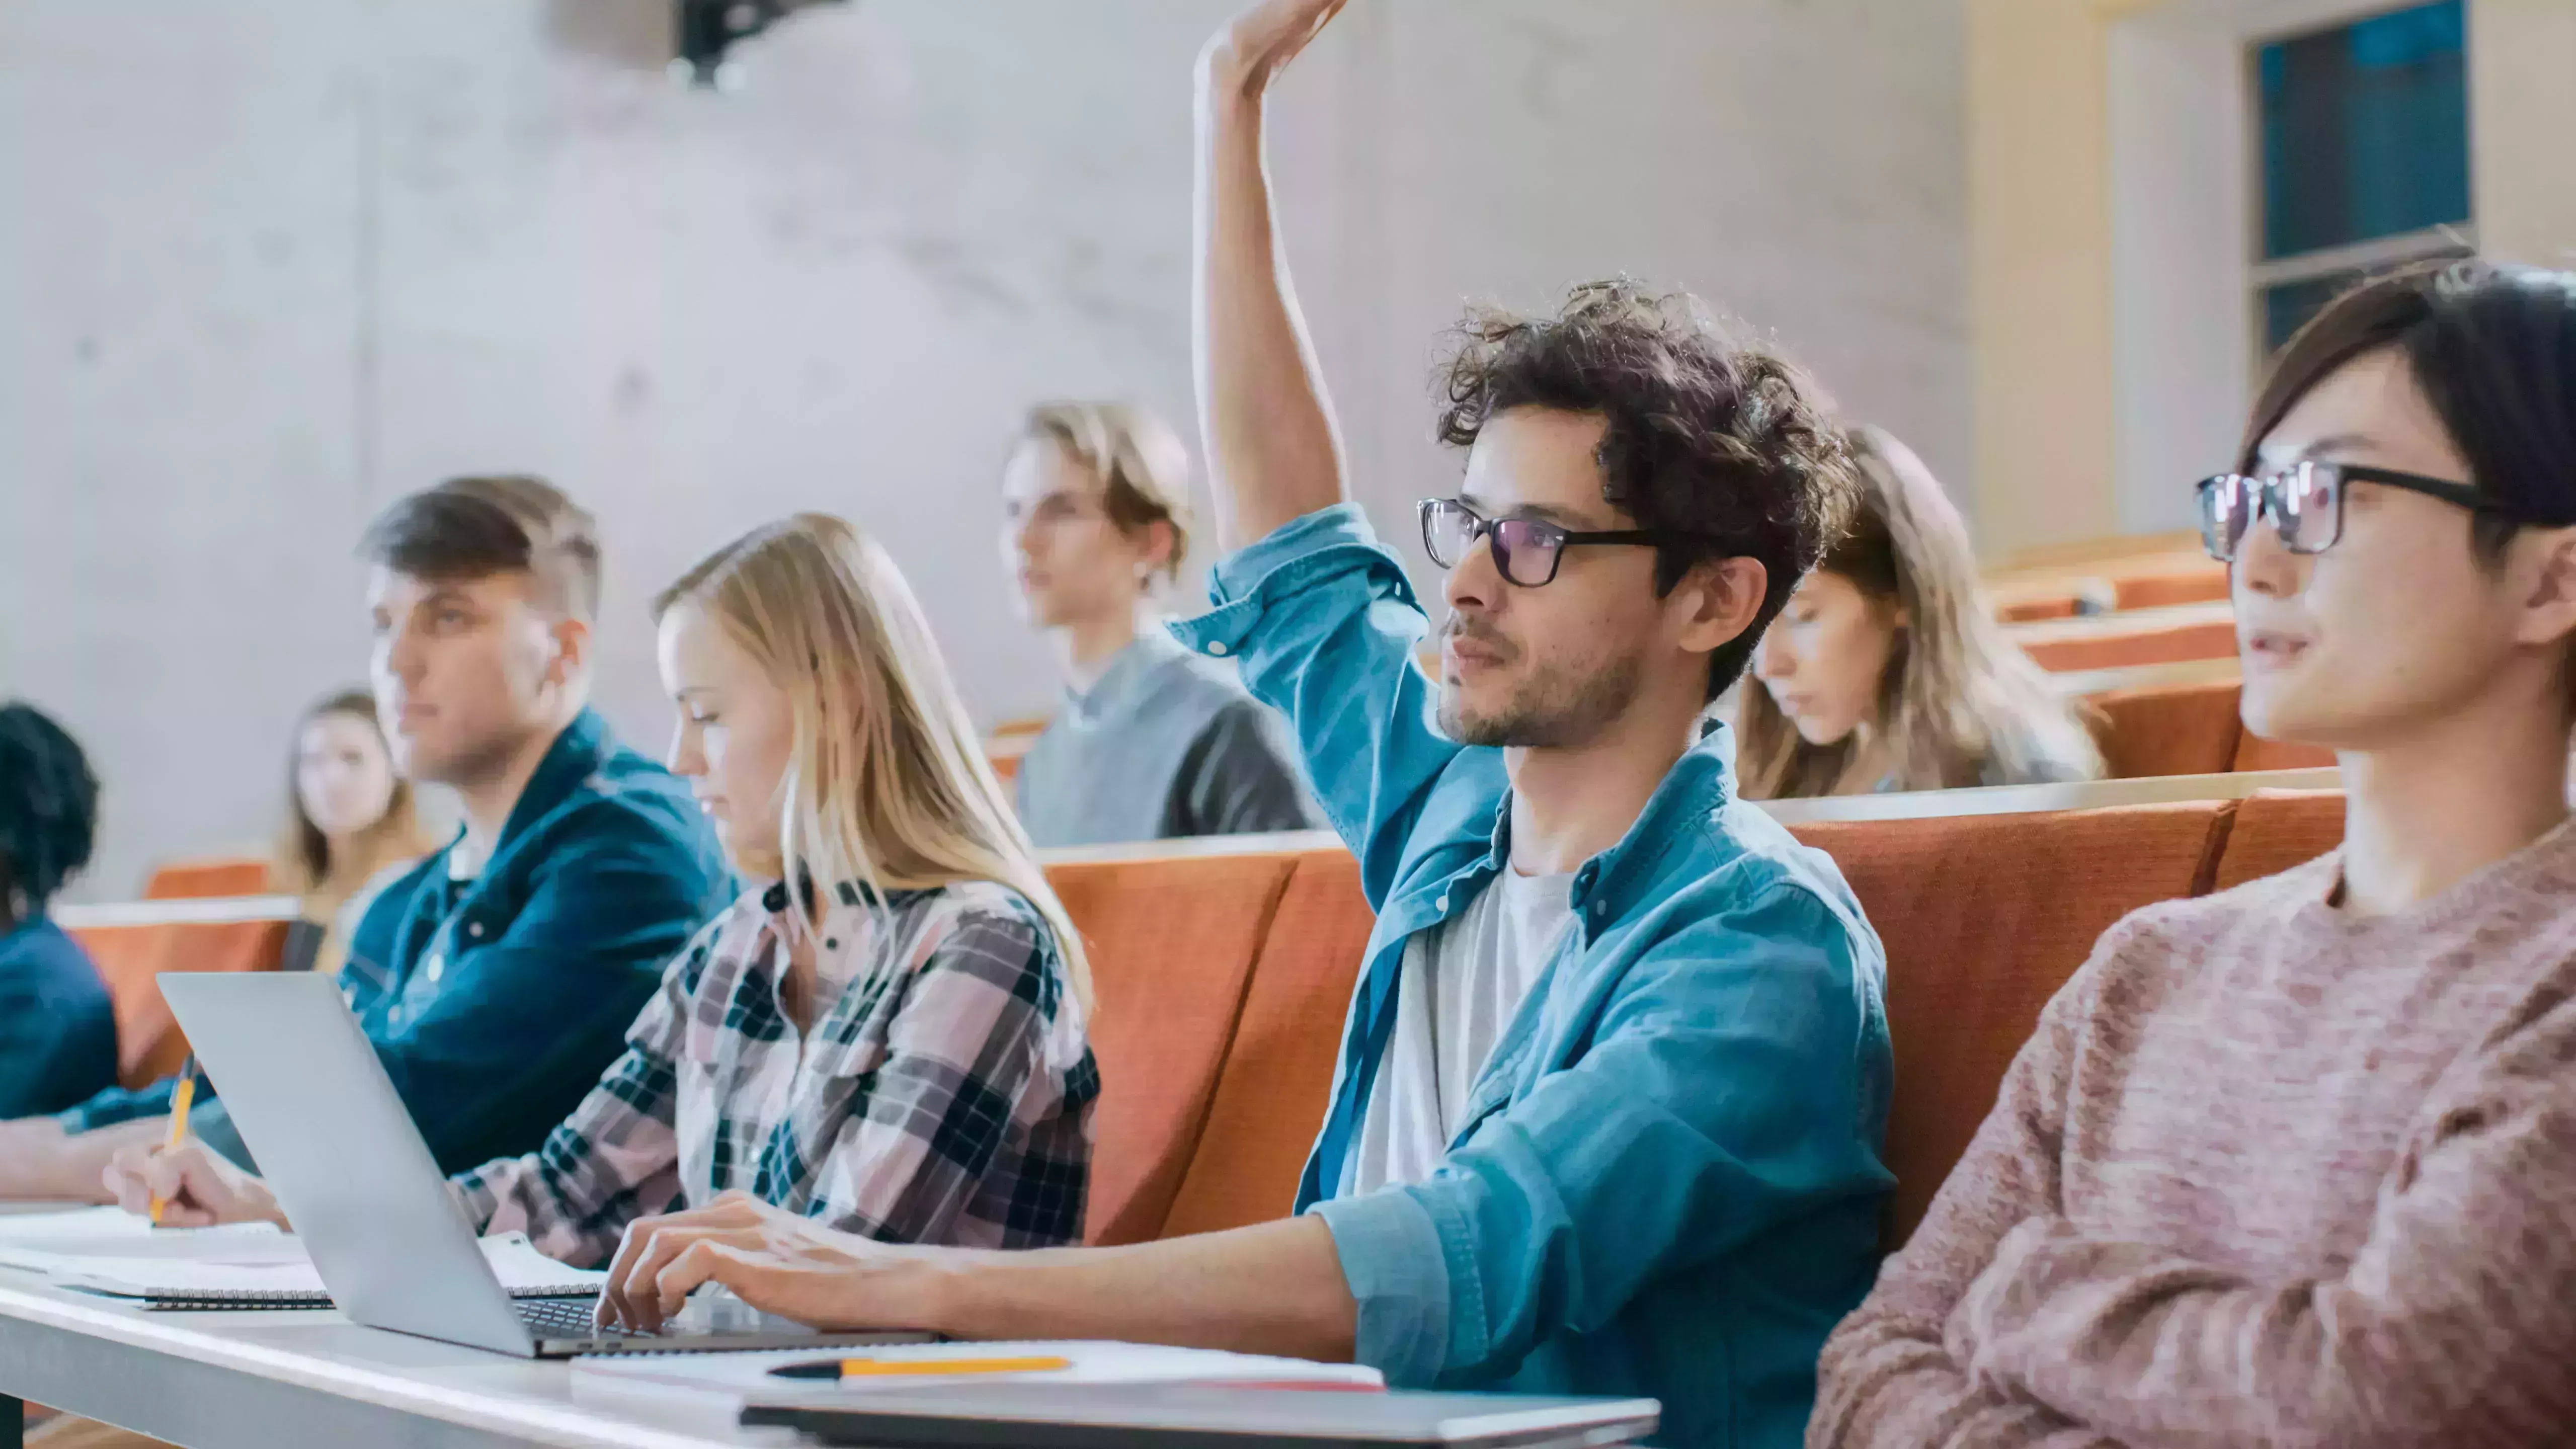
{"x": 57, "y": 1030}
{"x": 497, "y": 1002}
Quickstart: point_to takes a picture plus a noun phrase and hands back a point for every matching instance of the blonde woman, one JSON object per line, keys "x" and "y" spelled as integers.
{"x": 1152, "y": 740}
{"x": 895, "y": 1044}
{"x": 1886, "y": 671}
{"x": 350, "y": 823}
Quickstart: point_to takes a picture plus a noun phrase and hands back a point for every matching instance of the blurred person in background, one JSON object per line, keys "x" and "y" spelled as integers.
{"x": 351, "y": 827}
{"x": 57, "y": 1031}
{"x": 1888, "y": 672}
{"x": 1153, "y": 741}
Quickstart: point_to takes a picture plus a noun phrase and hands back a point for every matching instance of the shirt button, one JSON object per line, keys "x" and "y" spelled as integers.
{"x": 349, "y": 997}
{"x": 437, "y": 967}
{"x": 393, "y": 1016}
{"x": 1600, "y": 908}
{"x": 474, "y": 929}
{"x": 1216, "y": 646}
{"x": 1441, "y": 904}
{"x": 831, "y": 943}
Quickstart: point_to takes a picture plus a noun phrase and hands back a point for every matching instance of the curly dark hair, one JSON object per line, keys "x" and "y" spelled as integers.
{"x": 48, "y": 810}
{"x": 1725, "y": 446}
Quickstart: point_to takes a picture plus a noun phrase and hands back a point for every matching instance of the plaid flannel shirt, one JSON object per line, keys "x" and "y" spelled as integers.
{"x": 943, "y": 1096}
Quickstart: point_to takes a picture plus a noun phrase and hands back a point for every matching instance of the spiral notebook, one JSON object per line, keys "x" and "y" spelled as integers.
{"x": 275, "y": 1273}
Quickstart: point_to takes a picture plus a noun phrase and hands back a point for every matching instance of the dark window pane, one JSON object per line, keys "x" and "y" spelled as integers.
{"x": 2365, "y": 130}
{"x": 2286, "y": 308}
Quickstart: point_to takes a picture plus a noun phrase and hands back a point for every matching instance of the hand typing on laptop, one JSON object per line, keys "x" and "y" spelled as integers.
{"x": 197, "y": 1187}
{"x": 777, "y": 1261}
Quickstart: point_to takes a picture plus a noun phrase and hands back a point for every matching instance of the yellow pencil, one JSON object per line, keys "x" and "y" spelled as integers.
{"x": 871, "y": 1368}
{"x": 179, "y": 1103}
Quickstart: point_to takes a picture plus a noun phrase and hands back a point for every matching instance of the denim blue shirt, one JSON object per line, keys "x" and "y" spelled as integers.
{"x": 497, "y": 1002}
{"x": 1668, "y": 1183}
{"x": 57, "y": 1026}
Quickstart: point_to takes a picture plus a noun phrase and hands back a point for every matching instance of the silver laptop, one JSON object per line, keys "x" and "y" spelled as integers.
{"x": 1191, "y": 1416}
{"x": 389, "y": 1239}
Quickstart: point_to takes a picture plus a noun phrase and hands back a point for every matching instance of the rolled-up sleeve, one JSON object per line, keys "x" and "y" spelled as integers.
{"x": 1736, "y": 1082}
{"x": 1324, "y": 625}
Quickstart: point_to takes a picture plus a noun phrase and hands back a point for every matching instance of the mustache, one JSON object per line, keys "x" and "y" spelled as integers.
{"x": 1478, "y": 632}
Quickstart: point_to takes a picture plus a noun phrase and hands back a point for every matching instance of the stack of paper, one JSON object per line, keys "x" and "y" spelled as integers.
{"x": 104, "y": 1250}
{"x": 713, "y": 1388}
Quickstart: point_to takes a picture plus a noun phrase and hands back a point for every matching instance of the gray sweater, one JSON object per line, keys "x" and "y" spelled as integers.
{"x": 1167, "y": 744}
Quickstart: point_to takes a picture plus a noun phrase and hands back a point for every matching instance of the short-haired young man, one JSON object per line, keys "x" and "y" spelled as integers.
{"x": 1153, "y": 741}
{"x": 1610, "y": 1099}
{"x": 499, "y": 976}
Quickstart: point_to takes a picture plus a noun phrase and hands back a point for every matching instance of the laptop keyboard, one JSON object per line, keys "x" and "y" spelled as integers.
{"x": 564, "y": 1318}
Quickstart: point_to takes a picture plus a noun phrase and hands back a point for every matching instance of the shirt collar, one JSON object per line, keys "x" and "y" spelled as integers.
{"x": 1122, "y": 683}
{"x": 1697, "y": 784}
{"x": 573, "y": 757}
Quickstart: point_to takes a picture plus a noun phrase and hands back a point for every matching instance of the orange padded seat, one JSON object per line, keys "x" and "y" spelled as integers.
{"x": 212, "y": 877}
{"x": 1171, "y": 942}
{"x": 2191, "y": 582}
{"x": 148, "y": 1043}
{"x": 2172, "y": 729}
{"x": 2115, "y": 643}
{"x": 2277, "y": 829}
{"x": 2253, "y": 752}
{"x": 1279, "y": 1072}
{"x": 1984, "y": 917}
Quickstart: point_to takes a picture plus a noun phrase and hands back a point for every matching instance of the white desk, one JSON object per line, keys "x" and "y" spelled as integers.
{"x": 303, "y": 1380}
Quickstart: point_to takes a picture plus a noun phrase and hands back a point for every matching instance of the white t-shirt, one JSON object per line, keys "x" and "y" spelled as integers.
{"x": 1462, "y": 982}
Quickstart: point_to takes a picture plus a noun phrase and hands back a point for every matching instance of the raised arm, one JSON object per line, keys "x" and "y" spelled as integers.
{"x": 1274, "y": 453}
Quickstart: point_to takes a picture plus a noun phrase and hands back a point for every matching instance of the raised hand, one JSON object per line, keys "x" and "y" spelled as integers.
{"x": 1261, "y": 41}
{"x": 197, "y": 1187}
{"x": 776, "y": 1261}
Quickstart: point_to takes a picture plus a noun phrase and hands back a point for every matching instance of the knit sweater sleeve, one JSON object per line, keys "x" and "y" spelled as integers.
{"x": 2450, "y": 1325}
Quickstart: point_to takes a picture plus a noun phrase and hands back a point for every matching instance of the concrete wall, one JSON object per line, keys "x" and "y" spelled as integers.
{"x": 269, "y": 264}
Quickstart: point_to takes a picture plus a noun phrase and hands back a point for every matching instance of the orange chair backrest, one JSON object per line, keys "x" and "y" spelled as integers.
{"x": 1984, "y": 917}
{"x": 2172, "y": 729}
{"x": 149, "y": 1045}
{"x": 2277, "y": 829}
{"x": 1278, "y": 1075}
{"x": 215, "y": 876}
{"x": 1171, "y": 942}
{"x": 2114, "y": 643}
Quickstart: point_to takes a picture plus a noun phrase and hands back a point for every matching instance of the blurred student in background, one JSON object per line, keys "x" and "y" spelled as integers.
{"x": 894, "y": 1045}
{"x": 496, "y": 977}
{"x": 350, "y": 825}
{"x": 1152, "y": 741}
{"x": 1888, "y": 672}
{"x": 2295, "y": 1163}
{"x": 57, "y": 1033}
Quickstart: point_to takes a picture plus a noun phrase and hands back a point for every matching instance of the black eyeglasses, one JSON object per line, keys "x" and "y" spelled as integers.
{"x": 2305, "y": 504}
{"x": 1525, "y": 549}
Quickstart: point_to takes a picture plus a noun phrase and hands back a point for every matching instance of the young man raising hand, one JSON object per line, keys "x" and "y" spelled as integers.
{"x": 1609, "y": 1104}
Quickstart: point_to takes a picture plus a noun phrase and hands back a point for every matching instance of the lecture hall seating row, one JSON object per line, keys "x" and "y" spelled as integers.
{"x": 1224, "y": 967}
{"x": 2179, "y": 719}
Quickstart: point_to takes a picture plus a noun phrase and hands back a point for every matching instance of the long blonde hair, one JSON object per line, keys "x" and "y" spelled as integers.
{"x": 886, "y": 785}
{"x": 1959, "y": 704}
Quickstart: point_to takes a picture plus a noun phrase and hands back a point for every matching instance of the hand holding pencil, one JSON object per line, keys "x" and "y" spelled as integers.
{"x": 184, "y": 1183}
